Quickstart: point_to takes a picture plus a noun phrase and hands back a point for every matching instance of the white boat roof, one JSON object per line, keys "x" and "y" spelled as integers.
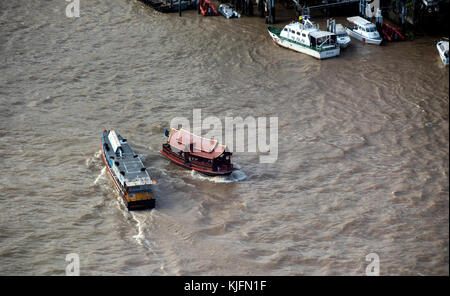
{"x": 340, "y": 28}
{"x": 307, "y": 26}
{"x": 320, "y": 34}
{"x": 114, "y": 140}
{"x": 443, "y": 45}
{"x": 359, "y": 21}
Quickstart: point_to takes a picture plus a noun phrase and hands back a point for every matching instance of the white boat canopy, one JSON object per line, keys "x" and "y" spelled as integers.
{"x": 340, "y": 29}
{"x": 115, "y": 143}
{"x": 359, "y": 21}
{"x": 320, "y": 34}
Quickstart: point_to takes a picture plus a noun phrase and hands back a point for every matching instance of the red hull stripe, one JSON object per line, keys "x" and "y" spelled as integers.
{"x": 195, "y": 169}
{"x": 112, "y": 176}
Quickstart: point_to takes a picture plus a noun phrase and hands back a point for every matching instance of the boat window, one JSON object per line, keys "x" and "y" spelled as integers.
{"x": 292, "y": 31}
{"x": 303, "y": 34}
{"x": 298, "y": 33}
{"x": 284, "y": 29}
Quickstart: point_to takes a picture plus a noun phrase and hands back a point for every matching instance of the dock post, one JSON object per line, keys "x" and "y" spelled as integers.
{"x": 261, "y": 8}
{"x": 273, "y": 12}
{"x": 179, "y": 7}
{"x": 270, "y": 4}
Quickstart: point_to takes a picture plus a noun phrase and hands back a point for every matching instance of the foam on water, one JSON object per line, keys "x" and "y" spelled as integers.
{"x": 141, "y": 219}
{"x": 93, "y": 161}
{"x": 235, "y": 176}
{"x": 102, "y": 173}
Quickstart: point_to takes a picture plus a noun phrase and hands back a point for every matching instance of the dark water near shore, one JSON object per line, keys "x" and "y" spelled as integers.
{"x": 362, "y": 164}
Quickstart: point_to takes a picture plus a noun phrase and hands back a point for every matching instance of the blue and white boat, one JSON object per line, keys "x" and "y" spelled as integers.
{"x": 363, "y": 30}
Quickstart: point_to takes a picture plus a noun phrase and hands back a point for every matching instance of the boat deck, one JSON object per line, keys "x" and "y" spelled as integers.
{"x": 129, "y": 163}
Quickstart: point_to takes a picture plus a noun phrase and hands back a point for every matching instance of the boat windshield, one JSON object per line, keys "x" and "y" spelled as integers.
{"x": 371, "y": 29}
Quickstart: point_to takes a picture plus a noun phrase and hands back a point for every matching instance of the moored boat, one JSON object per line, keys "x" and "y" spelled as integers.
{"x": 342, "y": 37}
{"x": 170, "y": 5}
{"x": 228, "y": 12}
{"x": 305, "y": 37}
{"x": 127, "y": 171}
{"x": 442, "y": 47}
{"x": 193, "y": 152}
{"x": 363, "y": 30}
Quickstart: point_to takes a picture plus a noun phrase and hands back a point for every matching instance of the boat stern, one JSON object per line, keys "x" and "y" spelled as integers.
{"x": 329, "y": 53}
{"x": 141, "y": 204}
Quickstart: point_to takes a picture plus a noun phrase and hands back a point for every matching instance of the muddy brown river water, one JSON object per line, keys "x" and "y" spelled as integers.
{"x": 362, "y": 162}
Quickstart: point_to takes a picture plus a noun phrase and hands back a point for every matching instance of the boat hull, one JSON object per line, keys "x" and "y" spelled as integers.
{"x": 187, "y": 166}
{"x": 442, "y": 47}
{"x": 303, "y": 49}
{"x": 344, "y": 42}
{"x": 363, "y": 38}
{"x": 131, "y": 205}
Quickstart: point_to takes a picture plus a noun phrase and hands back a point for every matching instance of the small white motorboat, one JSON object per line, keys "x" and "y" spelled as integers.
{"x": 363, "y": 30}
{"x": 228, "y": 12}
{"x": 342, "y": 37}
{"x": 442, "y": 47}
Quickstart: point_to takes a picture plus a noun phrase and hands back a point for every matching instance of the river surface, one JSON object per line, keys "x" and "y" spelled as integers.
{"x": 363, "y": 150}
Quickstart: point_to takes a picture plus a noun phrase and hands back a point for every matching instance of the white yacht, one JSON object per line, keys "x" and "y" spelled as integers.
{"x": 442, "y": 47}
{"x": 363, "y": 30}
{"x": 305, "y": 37}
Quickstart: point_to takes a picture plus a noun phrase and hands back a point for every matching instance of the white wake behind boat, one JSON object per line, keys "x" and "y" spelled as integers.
{"x": 305, "y": 37}
{"x": 442, "y": 47}
{"x": 363, "y": 30}
{"x": 228, "y": 12}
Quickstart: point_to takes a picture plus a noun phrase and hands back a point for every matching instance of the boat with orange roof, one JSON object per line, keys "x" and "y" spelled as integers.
{"x": 206, "y": 156}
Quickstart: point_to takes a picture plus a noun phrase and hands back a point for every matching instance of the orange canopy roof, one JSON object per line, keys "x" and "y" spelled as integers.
{"x": 201, "y": 147}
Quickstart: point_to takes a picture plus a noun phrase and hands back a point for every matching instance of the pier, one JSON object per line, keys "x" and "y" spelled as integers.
{"x": 406, "y": 13}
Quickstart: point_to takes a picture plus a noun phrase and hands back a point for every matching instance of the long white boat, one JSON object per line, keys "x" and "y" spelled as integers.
{"x": 363, "y": 30}
{"x": 442, "y": 47}
{"x": 305, "y": 37}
